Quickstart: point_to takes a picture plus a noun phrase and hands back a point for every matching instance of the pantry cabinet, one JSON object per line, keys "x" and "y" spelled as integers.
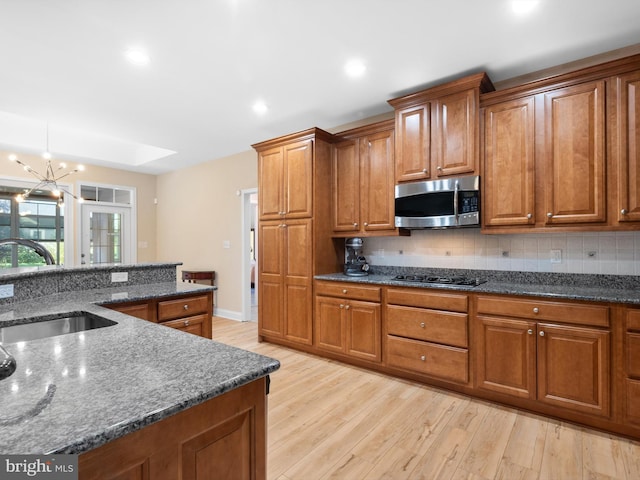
{"x": 363, "y": 181}
{"x": 557, "y": 353}
{"x": 285, "y": 279}
{"x": 294, "y": 232}
{"x": 437, "y": 130}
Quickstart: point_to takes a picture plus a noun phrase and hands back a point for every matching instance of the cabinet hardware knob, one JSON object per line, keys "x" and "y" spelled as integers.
{"x": 186, "y": 323}
{"x": 344, "y": 290}
{"x": 341, "y": 306}
{"x": 366, "y": 224}
{"x": 186, "y": 307}
{"x": 355, "y": 224}
{"x": 529, "y": 216}
{"x": 282, "y": 213}
{"x": 542, "y": 334}
{"x": 624, "y": 211}
{"x": 439, "y": 168}
{"x": 530, "y": 332}
{"x": 422, "y": 324}
{"x": 549, "y": 215}
{"x": 424, "y": 170}
{"x": 347, "y": 307}
{"x": 423, "y": 358}
{"x": 370, "y": 145}
{"x": 536, "y": 309}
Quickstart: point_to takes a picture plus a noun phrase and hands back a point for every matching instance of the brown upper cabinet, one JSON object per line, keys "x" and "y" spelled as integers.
{"x": 363, "y": 181}
{"x": 626, "y": 91}
{"x": 437, "y": 130}
{"x": 560, "y": 152}
{"x": 288, "y": 172}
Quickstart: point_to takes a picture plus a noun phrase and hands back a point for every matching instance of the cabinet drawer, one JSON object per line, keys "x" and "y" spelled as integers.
{"x": 574, "y": 313}
{"x": 348, "y": 290}
{"x": 182, "y": 307}
{"x": 633, "y": 354}
{"x": 138, "y": 310}
{"x": 633, "y": 319}
{"x": 424, "y": 324}
{"x": 448, "y": 363}
{"x": 415, "y": 297}
{"x": 194, "y": 324}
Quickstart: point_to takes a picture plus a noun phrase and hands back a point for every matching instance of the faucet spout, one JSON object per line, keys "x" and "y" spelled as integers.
{"x": 38, "y": 247}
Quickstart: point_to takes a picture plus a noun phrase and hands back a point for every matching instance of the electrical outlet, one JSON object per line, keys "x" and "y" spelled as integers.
{"x": 556, "y": 256}
{"x": 226, "y": 244}
{"x": 6, "y": 291}
{"x": 119, "y": 276}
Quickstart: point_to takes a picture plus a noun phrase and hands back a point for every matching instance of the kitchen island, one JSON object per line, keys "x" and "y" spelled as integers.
{"x": 92, "y": 392}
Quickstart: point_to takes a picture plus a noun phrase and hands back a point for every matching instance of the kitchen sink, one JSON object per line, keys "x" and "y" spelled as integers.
{"x": 41, "y": 327}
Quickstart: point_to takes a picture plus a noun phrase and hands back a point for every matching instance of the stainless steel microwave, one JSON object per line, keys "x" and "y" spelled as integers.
{"x": 444, "y": 203}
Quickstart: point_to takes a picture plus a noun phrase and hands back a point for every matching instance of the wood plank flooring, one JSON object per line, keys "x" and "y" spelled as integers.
{"x": 329, "y": 420}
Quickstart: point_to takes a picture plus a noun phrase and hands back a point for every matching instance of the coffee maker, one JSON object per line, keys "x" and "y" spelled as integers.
{"x": 355, "y": 264}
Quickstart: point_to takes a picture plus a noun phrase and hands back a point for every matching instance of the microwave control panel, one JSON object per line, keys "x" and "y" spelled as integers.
{"x": 468, "y": 202}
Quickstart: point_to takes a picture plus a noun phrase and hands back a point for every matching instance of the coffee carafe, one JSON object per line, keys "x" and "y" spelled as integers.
{"x": 355, "y": 263}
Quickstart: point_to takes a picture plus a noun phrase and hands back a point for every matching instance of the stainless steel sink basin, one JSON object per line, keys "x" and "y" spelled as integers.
{"x": 41, "y": 328}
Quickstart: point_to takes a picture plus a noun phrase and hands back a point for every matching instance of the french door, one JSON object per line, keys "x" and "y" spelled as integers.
{"x": 106, "y": 235}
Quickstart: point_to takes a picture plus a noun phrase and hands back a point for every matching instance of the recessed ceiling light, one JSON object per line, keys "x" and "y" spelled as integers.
{"x": 523, "y": 7}
{"x": 355, "y": 68}
{"x": 137, "y": 56}
{"x": 260, "y": 108}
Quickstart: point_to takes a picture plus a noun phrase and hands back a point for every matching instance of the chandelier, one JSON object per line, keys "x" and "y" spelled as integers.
{"x": 48, "y": 180}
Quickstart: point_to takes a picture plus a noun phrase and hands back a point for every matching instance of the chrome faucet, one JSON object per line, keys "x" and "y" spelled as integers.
{"x": 7, "y": 363}
{"x": 38, "y": 247}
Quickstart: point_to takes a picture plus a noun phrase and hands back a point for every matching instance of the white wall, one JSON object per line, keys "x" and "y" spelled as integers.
{"x": 598, "y": 252}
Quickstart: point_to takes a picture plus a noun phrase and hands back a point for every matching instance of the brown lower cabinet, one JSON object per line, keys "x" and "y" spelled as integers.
{"x": 190, "y": 313}
{"x": 574, "y": 360}
{"x": 224, "y": 437}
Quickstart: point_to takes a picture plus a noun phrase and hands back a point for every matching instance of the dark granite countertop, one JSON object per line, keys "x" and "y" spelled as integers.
{"x": 72, "y": 393}
{"x": 595, "y": 288}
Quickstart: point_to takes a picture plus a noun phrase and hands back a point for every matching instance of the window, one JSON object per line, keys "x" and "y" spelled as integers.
{"x": 39, "y": 218}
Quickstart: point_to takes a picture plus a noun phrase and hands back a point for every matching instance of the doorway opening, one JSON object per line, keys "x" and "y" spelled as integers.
{"x": 249, "y": 255}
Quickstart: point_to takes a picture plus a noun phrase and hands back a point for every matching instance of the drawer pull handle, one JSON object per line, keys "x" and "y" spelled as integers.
{"x": 186, "y": 307}
{"x": 536, "y": 309}
{"x": 186, "y": 323}
{"x": 422, "y": 324}
{"x": 542, "y": 334}
{"x": 530, "y": 332}
{"x": 423, "y": 358}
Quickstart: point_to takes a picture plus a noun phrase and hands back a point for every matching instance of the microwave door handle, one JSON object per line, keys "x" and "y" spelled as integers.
{"x": 455, "y": 199}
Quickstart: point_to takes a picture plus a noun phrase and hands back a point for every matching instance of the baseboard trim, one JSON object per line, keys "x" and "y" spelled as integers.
{"x": 230, "y": 314}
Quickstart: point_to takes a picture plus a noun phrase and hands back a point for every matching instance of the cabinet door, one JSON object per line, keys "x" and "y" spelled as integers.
{"x": 298, "y": 176}
{"x": 506, "y": 356}
{"x": 628, "y": 135}
{"x": 271, "y": 181}
{"x": 297, "y": 253}
{"x": 138, "y": 310}
{"x": 455, "y": 134}
{"x": 378, "y": 183}
{"x": 573, "y": 368}
{"x": 329, "y": 325}
{"x": 270, "y": 278}
{"x": 413, "y": 143}
{"x": 574, "y": 119}
{"x": 509, "y": 168}
{"x": 346, "y": 186}
{"x": 363, "y": 335}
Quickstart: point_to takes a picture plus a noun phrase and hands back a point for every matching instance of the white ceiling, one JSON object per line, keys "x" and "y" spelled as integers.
{"x": 211, "y": 60}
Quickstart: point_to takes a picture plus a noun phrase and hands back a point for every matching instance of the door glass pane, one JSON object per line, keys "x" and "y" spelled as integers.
{"x": 105, "y": 237}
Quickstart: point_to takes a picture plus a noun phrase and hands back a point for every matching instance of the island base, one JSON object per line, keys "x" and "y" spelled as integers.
{"x": 224, "y": 437}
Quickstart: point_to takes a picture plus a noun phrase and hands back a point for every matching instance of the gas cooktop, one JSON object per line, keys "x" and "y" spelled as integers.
{"x": 466, "y": 281}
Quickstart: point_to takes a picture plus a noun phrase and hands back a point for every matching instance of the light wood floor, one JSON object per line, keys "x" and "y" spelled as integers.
{"x": 330, "y": 420}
